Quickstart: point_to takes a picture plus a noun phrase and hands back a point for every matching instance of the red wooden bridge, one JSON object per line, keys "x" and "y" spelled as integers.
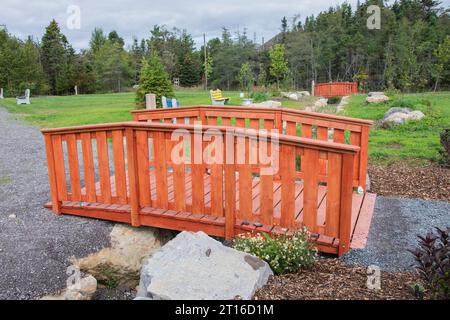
{"x": 335, "y": 89}
{"x": 126, "y": 172}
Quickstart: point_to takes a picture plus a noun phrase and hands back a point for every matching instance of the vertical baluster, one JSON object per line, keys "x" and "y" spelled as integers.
{"x": 338, "y": 136}
{"x": 287, "y": 172}
{"x": 310, "y": 169}
{"x": 159, "y": 145}
{"x": 198, "y": 171}
{"x": 119, "y": 166}
{"x": 74, "y": 169}
{"x": 143, "y": 167}
{"x": 88, "y": 165}
{"x": 103, "y": 164}
{"x": 333, "y": 194}
{"x": 59, "y": 167}
{"x": 217, "y": 179}
{"x": 266, "y": 185}
{"x": 179, "y": 177}
{"x": 245, "y": 181}
{"x": 322, "y": 134}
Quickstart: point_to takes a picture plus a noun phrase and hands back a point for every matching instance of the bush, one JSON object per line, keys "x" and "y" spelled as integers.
{"x": 445, "y": 151}
{"x": 283, "y": 253}
{"x": 334, "y": 100}
{"x": 433, "y": 262}
{"x": 260, "y": 96}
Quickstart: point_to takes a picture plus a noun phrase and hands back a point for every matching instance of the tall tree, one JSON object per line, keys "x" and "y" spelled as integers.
{"x": 278, "y": 63}
{"x": 154, "y": 79}
{"x": 54, "y": 57}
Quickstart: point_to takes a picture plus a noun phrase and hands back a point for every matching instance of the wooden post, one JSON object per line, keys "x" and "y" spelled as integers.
{"x": 150, "y": 101}
{"x": 56, "y": 204}
{"x": 363, "y": 158}
{"x": 345, "y": 219}
{"x": 132, "y": 176}
{"x": 1, "y": 93}
{"x": 312, "y": 88}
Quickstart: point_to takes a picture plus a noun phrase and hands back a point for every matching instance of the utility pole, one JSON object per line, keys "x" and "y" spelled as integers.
{"x": 206, "y": 61}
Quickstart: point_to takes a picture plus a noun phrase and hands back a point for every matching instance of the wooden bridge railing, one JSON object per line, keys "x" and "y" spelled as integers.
{"x": 287, "y": 121}
{"x": 132, "y": 165}
{"x": 335, "y": 89}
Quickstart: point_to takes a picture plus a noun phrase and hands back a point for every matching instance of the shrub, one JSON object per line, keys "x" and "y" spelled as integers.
{"x": 433, "y": 262}
{"x": 334, "y": 100}
{"x": 283, "y": 253}
{"x": 445, "y": 151}
{"x": 260, "y": 96}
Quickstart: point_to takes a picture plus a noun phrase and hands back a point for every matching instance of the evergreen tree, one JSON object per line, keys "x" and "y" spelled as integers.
{"x": 54, "y": 57}
{"x": 154, "y": 79}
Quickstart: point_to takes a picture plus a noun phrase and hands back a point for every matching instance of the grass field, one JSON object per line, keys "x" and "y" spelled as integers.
{"x": 412, "y": 141}
{"x": 418, "y": 140}
{"x": 53, "y": 112}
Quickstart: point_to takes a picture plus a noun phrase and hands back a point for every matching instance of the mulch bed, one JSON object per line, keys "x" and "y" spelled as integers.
{"x": 429, "y": 182}
{"x": 332, "y": 279}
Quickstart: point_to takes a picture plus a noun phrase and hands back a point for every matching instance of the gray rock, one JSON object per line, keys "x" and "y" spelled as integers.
{"x": 196, "y": 267}
{"x": 377, "y": 97}
{"x": 416, "y": 115}
{"x": 396, "y": 110}
{"x": 401, "y": 115}
{"x": 321, "y": 103}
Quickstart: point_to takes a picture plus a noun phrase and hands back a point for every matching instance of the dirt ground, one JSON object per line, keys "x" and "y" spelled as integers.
{"x": 332, "y": 279}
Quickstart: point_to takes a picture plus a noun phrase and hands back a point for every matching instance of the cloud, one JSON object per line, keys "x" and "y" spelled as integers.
{"x": 136, "y": 18}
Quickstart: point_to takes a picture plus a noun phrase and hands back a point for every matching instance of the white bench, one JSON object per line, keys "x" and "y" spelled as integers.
{"x": 24, "y": 99}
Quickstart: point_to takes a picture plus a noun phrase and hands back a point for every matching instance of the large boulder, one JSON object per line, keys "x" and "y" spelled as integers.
{"x": 401, "y": 116}
{"x": 194, "y": 266}
{"x": 377, "y": 97}
{"x": 123, "y": 260}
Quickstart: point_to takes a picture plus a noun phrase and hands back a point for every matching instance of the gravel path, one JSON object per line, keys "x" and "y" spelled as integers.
{"x": 35, "y": 245}
{"x": 395, "y": 225}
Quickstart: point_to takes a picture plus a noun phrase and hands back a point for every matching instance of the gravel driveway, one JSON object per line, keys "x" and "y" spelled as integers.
{"x": 395, "y": 225}
{"x": 35, "y": 245}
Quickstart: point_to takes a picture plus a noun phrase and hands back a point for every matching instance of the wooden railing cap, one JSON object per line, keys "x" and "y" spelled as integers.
{"x": 167, "y": 127}
{"x": 257, "y": 110}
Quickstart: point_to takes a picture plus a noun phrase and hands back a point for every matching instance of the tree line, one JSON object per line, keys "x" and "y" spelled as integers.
{"x": 410, "y": 52}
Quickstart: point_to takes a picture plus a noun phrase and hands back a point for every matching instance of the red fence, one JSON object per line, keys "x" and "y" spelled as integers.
{"x": 335, "y": 89}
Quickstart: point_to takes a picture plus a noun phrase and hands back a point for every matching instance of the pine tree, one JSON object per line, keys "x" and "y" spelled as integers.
{"x": 154, "y": 79}
{"x": 54, "y": 56}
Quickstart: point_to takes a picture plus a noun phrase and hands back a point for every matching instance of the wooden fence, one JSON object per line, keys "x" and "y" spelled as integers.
{"x": 335, "y": 89}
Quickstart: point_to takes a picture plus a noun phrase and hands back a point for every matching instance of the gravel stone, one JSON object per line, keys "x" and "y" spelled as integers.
{"x": 395, "y": 226}
{"x": 35, "y": 247}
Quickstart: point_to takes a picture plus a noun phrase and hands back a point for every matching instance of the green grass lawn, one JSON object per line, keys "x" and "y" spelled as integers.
{"x": 416, "y": 140}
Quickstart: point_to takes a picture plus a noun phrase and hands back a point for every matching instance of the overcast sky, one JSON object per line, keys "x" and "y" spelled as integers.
{"x": 136, "y": 18}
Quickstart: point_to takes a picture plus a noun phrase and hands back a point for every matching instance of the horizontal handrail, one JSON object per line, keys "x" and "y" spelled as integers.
{"x": 163, "y": 127}
{"x": 140, "y": 115}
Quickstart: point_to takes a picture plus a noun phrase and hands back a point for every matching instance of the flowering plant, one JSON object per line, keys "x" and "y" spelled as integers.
{"x": 284, "y": 254}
